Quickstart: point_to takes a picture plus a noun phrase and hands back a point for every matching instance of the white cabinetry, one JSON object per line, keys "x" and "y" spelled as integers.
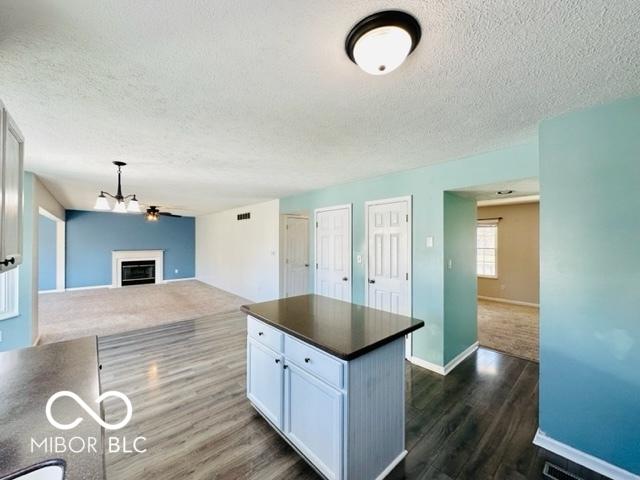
{"x": 346, "y": 418}
{"x": 11, "y": 173}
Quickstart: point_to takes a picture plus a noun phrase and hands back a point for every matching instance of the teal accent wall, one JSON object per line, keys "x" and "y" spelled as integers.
{"x": 46, "y": 253}
{"x": 590, "y": 282}
{"x": 17, "y": 331}
{"x": 460, "y": 281}
{"x": 427, "y": 186}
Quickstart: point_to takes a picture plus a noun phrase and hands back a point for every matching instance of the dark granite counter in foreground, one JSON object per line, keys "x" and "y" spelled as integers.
{"x": 342, "y": 329}
{"x": 28, "y": 377}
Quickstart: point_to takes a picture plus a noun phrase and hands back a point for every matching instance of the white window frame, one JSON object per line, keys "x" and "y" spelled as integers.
{"x": 492, "y": 223}
{"x": 9, "y": 282}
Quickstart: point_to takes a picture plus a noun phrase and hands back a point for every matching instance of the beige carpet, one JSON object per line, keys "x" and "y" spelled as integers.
{"x": 105, "y": 311}
{"x": 512, "y": 329}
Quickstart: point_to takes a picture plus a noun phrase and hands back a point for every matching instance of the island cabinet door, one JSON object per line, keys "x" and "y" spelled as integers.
{"x": 265, "y": 381}
{"x": 314, "y": 420}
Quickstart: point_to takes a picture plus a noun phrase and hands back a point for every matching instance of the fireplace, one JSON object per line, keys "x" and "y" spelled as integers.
{"x": 136, "y": 267}
{"x": 138, "y": 272}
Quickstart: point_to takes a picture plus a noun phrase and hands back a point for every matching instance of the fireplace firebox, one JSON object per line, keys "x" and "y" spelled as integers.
{"x": 138, "y": 272}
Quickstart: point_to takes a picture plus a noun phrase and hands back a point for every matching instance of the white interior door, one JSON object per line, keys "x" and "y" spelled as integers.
{"x": 333, "y": 252}
{"x": 296, "y": 256}
{"x": 389, "y": 256}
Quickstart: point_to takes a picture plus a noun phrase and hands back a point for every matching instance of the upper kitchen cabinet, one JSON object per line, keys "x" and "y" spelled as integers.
{"x": 11, "y": 171}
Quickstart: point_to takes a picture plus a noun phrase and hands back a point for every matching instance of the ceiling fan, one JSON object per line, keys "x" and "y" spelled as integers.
{"x": 153, "y": 214}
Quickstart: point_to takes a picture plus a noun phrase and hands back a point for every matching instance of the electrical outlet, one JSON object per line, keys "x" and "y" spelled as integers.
{"x": 176, "y": 271}
{"x": 0, "y": 335}
{"x": 429, "y": 242}
{"x": 450, "y": 264}
{"x": 359, "y": 258}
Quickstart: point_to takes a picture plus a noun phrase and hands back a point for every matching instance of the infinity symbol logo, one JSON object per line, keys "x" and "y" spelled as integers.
{"x": 79, "y": 401}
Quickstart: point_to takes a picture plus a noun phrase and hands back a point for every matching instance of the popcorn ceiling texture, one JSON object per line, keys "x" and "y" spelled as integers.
{"x": 225, "y": 103}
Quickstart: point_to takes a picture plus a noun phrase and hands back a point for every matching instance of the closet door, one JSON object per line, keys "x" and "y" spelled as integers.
{"x": 12, "y": 159}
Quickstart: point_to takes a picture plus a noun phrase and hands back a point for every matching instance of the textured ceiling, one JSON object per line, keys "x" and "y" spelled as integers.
{"x": 221, "y": 103}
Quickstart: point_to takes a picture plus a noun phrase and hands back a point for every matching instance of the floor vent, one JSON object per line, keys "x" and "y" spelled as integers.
{"x": 556, "y": 473}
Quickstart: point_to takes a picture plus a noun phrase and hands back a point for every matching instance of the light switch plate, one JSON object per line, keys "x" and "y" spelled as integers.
{"x": 429, "y": 242}
{"x": 359, "y": 258}
{"x": 450, "y": 264}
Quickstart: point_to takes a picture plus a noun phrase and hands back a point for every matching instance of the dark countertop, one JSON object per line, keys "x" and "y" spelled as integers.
{"x": 28, "y": 377}
{"x": 343, "y": 329}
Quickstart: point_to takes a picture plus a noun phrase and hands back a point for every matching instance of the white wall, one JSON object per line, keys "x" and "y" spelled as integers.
{"x": 240, "y": 256}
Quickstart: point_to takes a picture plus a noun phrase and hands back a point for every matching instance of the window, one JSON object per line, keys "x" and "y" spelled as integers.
{"x": 9, "y": 294}
{"x": 487, "y": 246}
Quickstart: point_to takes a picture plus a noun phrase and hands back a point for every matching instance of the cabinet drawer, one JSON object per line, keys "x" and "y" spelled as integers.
{"x": 263, "y": 333}
{"x": 313, "y": 360}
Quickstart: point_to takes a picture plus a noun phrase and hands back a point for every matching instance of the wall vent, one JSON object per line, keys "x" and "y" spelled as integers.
{"x": 556, "y": 473}
{"x": 244, "y": 216}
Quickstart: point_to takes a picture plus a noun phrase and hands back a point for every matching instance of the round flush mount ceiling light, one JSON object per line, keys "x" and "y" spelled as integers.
{"x": 379, "y": 43}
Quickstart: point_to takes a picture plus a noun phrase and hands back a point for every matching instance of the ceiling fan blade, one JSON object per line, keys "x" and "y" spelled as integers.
{"x": 168, "y": 214}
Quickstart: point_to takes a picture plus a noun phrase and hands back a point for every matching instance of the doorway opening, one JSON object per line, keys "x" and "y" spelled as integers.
{"x": 51, "y": 252}
{"x": 508, "y": 266}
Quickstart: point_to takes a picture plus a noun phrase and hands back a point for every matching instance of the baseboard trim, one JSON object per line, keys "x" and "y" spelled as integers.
{"x": 512, "y": 302}
{"x": 589, "y": 461}
{"x": 171, "y": 280}
{"x": 444, "y": 370}
{"x": 91, "y": 287}
{"x": 460, "y": 357}
{"x": 434, "y": 367}
{"x": 53, "y": 290}
{"x": 391, "y": 466}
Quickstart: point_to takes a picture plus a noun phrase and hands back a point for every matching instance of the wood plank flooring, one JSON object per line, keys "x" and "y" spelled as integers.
{"x": 187, "y": 384}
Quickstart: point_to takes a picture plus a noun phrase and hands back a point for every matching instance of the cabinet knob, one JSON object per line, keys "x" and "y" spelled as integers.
{"x": 260, "y": 333}
{"x": 285, "y": 366}
{"x": 372, "y": 281}
{"x": 345, "y": 279}
{"x": 307, "y": 360}
{"x": 8, "y": 261}
{"x": 277, "y": 360}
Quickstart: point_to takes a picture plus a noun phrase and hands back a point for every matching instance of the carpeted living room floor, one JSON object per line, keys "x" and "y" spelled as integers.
{"x": 105, "y": 311}
{"x": 511, "y": 329}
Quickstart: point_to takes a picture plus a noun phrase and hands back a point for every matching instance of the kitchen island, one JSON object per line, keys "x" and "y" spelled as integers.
{"x": 329, "y": 377}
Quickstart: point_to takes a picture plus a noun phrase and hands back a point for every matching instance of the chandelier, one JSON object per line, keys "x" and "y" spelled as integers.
{"x": 122, "y": 202}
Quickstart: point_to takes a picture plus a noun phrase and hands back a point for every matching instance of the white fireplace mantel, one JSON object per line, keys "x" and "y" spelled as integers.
{"x": 119, "y": 256}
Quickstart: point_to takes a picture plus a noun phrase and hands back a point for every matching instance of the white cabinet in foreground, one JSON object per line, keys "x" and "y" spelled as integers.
{"x": 345, "y": 417}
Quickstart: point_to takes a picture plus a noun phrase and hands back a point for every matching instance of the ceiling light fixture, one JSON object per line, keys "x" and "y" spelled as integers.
{"x": 121, "y": 205}
{"x": 379, "y": 43}
{"x": 504, "y": 192}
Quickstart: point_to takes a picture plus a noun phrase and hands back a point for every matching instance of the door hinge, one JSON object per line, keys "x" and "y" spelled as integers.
{"x": 407, "y": 217}
{"x": 316, "y": 224}
{"x": 406, "y": 276}
{"x": 316, "y": 266}
{"x": 286, "y": 261}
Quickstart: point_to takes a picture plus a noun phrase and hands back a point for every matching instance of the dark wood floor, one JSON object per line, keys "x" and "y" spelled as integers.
{"x": 187, "y": 385}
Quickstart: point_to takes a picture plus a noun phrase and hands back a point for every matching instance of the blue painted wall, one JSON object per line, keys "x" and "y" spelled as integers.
{"x": 427, "y": 185}
{"x": 460, "y": 281}
{"x": 590, "y": 282}
{"x": 46, "y": 253}
{"x": 17, "y": 332}
{"x": 91, "y": 237}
